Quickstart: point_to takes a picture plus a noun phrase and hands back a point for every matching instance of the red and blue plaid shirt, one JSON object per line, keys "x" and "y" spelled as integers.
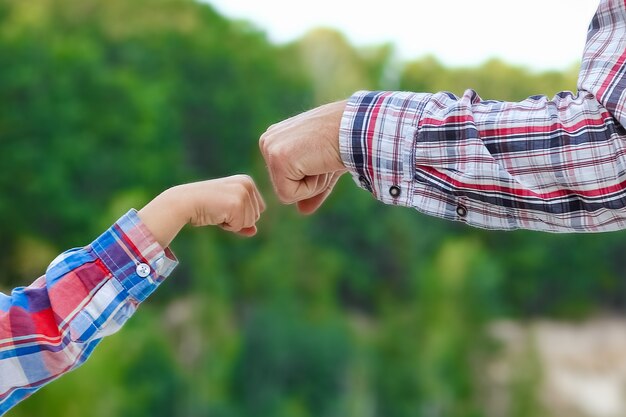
{"x": 554, "y": 165}
{"x": 53, "y": 325}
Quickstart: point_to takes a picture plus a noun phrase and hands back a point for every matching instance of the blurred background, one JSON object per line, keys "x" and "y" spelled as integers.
{"x": 360, "y": 310}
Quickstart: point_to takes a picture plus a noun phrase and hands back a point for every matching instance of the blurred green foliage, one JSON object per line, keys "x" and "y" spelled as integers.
{"x": 361, "y": 310}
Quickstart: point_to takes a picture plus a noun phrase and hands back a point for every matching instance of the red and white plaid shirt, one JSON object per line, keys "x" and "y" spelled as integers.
{"x": 555, "y": 165}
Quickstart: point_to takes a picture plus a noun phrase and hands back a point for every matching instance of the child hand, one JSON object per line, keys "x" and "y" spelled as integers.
{"x": 233, "y": 203}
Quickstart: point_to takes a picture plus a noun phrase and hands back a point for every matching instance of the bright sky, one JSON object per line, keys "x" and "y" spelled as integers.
{"x": 539, "y": 34}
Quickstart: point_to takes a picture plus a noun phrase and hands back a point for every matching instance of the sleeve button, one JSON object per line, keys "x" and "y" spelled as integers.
{"x": 461, "y": 210}
{"x": 394, "y": 191}
{"x": 143, "y": 270}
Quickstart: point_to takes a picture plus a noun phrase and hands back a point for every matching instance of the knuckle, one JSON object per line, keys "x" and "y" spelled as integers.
{"x": 247, "y": 185}
{"x": 244, "y": 181}
{"x": 237, "y": 197}
{"x": 285, "y": 197}
{"x": 266, "y": 139}
{"x": 263, "y": 141}
{"x": 243, "y": 189}
{"x": 281, "y": 152}
{"x": 235, "y": 204}
{"x": 274, "y": 149}
{"x": 247, "y": 180}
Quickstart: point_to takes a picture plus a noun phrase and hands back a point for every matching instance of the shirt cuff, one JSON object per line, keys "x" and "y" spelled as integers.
{"x": 377, "y": 141}
{"x": 134, "y": 257}
{"x": 137, "y": 264}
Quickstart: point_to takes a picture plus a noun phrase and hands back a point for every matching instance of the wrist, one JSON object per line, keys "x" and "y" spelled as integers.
{"x": 166, "y": 215}
{"x": 336, "y": 114}
{"x": 178, "y": 200}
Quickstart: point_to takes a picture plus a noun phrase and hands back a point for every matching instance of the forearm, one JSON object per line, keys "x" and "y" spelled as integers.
{"x": 550, "y": 165}
{"x": 52, "y": 326}
{"x": 165, "y": 216}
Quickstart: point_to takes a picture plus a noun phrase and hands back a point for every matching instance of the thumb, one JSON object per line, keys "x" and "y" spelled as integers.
{"x": 310, "y": 205}
{"x": 290, "y": 184}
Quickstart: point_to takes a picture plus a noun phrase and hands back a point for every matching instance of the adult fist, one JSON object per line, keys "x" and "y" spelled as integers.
{"x": 302, "y": 156}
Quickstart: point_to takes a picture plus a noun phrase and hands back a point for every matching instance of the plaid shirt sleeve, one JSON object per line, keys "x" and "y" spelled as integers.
{"x": 52, "y": 326}
{"x": 555, "y": 165}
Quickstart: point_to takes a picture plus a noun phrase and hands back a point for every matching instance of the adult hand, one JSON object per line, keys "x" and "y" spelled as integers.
{"x": 302, "y": 156}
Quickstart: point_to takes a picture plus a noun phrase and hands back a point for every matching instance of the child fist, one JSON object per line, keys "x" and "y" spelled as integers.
{"x": 233, "y": 203}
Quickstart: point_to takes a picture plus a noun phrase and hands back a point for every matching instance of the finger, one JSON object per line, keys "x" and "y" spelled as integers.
{"x": 249, "y": 204}
{"x": 310, "y": 205}
{"x": 312, "y": 185}
{"x": 250, "y": 213}
{"x": 248, "y": 217}
{"x": 259, "y": 198}
{"x": 236, "y": 216}
{"x": 258, "y": 205}
{"x": 287, "y": 165}
{"x": 292, "y": 186}
{"x": 284, "y": 188}
{"x": 248, "y": 231}
{"x": 253, "y": 210}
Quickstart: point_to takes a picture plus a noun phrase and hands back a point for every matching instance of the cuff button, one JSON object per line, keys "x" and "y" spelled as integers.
{"x": 461, "y": 210}
{"x": 143, "y": 270}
